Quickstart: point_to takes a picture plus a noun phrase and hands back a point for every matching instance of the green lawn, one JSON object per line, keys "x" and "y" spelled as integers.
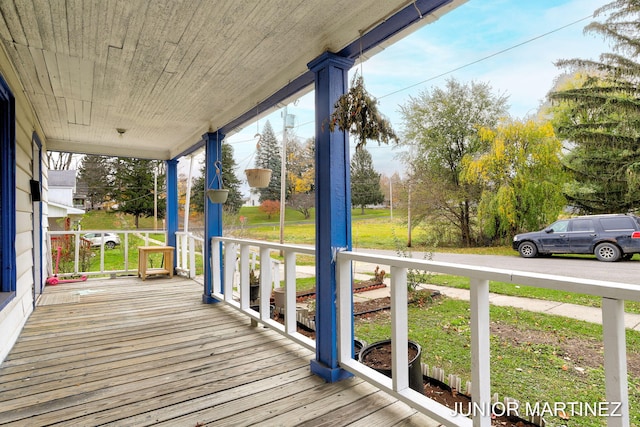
{"x": 534, "y": 357}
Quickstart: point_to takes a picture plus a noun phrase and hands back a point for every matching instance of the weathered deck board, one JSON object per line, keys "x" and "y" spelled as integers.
{"x": 125, "y": 352}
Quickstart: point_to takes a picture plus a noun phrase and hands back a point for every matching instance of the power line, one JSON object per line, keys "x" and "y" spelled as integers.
{"x": 500, "y": 52}
{"x": 488, "y": 56}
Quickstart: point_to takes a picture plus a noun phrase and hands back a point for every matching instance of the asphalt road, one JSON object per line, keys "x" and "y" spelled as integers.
{"x": 587, "y": 268}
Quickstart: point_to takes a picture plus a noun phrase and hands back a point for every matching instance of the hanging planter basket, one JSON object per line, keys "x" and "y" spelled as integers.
{"x": 258, "y": 178}
{"x": 218, "y": 195}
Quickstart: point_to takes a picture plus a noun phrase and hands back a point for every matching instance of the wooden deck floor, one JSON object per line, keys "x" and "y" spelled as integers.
{"x": 131, "y": 353}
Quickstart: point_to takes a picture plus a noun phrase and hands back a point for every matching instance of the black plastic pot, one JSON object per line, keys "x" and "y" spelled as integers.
{"x": 254, "y": 292}
{"x": 415, "y": 371}
{"x": 358, "y": 345}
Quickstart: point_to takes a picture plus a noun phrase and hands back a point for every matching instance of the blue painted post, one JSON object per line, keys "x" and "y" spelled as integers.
{"x": 172, "y": 204}
{"x": 333, "y": 208}
{"x": 212, "y": 211}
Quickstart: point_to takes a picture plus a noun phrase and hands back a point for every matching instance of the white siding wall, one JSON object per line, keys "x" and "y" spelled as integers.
{"x": 14, "y": 315}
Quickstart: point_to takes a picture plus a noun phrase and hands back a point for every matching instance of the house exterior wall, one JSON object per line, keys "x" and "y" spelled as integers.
{"x": 15, "y": 312}
{"x": 63, "y": 196}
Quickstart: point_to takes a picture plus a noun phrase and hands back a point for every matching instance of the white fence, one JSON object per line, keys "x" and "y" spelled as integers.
{"x": 189, "y": 250}
{"x": 72, "y": 243}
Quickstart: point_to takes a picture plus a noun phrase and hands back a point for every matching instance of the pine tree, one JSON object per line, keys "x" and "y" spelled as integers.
{"x": 134, "y": 185}
{"x": 96, "y": 172}
{"x": 599, "y": 114}
{"x": 268, "y": 157}
{"x": 365, "y": 181}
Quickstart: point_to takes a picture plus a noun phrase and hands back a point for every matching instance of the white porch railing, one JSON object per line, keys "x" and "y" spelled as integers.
{"x": 71, "y": 241}
{"x": 613, "y": 297}
{"x": 188, "y": 246}
{"x": 237, "y": 294}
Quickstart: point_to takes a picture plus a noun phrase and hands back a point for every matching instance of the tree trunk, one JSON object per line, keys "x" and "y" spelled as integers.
{"x": 465, "y": 227}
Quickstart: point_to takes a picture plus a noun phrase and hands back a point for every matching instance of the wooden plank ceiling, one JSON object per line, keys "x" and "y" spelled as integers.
{"x": 166, "y": 71}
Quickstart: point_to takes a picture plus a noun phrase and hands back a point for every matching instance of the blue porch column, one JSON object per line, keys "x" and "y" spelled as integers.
{"x": 333, "y": 208}
{"x": 212, "y": 211}
{"x": 172, "y": 204}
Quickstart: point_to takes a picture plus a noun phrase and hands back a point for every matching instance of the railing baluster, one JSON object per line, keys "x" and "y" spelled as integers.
{"x": 480, "y": 352}
{"x": 615, "y": 362}
{"x": 126, "y": 251}
{"x": 399, "y": 326}
{"x": 290, "y": 322}
{"x": 215, "y": 266}
{"x": 230, "y": 252}
{"x": 265, "y": 282}
{"x": 76, "y": 238}
{"x": 345, "y": 309}
{"x": 192, "y": 256}
{"x": 183, "y": 250}
{"x": 244, "y": 277}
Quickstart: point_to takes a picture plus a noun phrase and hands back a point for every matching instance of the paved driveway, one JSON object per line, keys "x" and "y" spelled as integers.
{"x": 589, "y": 268}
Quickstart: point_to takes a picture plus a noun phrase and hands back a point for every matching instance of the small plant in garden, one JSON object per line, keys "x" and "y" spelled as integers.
{"x": 414, "y": 276}
{"x": 379, "y": 275}
{"x": 254, "y": 279}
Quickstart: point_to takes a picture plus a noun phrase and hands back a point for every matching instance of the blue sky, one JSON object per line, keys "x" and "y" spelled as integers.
{"x": 473, "y": 31}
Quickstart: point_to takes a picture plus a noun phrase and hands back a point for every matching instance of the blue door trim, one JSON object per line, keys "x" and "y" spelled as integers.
{"x": 7, "y": 193}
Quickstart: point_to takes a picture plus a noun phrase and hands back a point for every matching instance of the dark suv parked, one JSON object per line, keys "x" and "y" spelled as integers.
{"x": 608, "y": 237}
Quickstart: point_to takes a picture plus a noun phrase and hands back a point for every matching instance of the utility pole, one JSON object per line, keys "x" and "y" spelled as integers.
{"x": 155, "y": 198}
{"x": 409, "y": 214}
{"x": 287, "y": 123}
{"x": 391, "y": 196}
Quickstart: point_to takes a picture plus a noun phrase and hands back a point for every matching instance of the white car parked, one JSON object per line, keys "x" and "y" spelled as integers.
{"x": 111, "y": 240}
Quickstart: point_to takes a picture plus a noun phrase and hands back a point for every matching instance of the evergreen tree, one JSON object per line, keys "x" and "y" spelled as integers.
{"x": 96, "y": 173}
{"x": 134, "y": 185}
{"x": 229, "y": 181}
{"x": 365, "y": 181}
{"x": 598, "y": 113}
{"x": 268, "y": 157}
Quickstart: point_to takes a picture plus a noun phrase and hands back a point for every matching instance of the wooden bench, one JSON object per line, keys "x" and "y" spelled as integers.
{"x": 143, "y": 260}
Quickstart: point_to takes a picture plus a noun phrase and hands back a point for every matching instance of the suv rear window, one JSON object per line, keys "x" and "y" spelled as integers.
{"x": 621, "y": 223}
{"x": 582, "y": 225}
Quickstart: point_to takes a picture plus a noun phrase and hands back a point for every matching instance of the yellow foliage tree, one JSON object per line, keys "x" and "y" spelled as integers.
{"x": 521, "y": 177}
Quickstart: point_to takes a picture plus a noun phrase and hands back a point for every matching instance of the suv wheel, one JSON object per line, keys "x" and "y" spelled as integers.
{"x": 110, "y": 244}
{"x": 528, "y": 249}
{"x": 607, "y": 252}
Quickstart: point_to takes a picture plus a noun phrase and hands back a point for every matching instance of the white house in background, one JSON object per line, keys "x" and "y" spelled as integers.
{"x": 62, "y": 193}
{"x": 253, "y": 199}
